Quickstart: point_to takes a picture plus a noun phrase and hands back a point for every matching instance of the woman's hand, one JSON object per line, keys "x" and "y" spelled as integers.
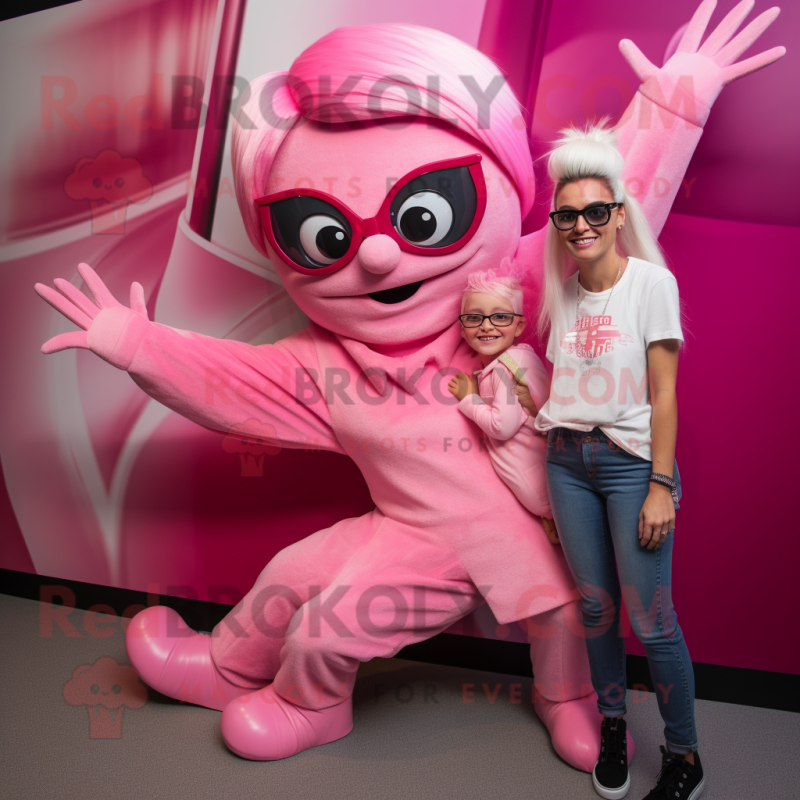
{"x": 550, "y": 530}
{"x": 657, "y": 517}
{"x": 525, "y": 400}
{"x": 462, "y": 385}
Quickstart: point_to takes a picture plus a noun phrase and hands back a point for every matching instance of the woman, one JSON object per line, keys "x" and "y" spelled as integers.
{"x": 611, "y": 421}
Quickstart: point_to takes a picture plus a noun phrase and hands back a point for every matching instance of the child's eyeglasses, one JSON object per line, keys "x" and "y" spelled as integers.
{"x": 498, "y": 320}
{"x": 433, "y": 210}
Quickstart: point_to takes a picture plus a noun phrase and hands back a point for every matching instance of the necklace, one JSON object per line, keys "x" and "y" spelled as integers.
{"x": 579, "y": 349}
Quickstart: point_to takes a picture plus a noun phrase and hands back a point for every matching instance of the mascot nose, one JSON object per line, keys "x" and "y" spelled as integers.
{"x": 379, "y": 254}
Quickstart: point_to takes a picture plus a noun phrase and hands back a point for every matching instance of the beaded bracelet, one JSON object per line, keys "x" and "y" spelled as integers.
{"x": 665, "y": 480}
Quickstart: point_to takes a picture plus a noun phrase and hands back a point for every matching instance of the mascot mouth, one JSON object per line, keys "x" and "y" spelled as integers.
{"x": 397, "y": 294}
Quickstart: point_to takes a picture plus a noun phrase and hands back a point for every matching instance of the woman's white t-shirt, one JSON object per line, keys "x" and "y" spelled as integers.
{"x": 600, "y": 367}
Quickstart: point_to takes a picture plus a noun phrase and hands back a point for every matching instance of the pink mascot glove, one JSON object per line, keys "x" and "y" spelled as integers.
{"x": 689, "y": 83}
{"x": 110, "y": 330}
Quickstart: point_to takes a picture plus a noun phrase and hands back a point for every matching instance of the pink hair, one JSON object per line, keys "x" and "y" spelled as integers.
{"x": 405, "y": 70}
{"x": 489, "y": 283}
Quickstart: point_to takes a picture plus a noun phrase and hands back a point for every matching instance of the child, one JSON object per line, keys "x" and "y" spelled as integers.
{"x": 491, "y": 319}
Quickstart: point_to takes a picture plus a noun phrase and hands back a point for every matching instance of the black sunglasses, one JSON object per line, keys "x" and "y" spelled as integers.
{"x": 596, "y": 216}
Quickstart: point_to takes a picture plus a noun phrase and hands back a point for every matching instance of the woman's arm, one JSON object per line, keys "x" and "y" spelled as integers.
{"x": 533, "y": 396}
{"x": 657, "y": 516}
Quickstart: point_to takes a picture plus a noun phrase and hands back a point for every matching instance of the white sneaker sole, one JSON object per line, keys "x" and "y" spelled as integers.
{"x": 698, "y": 790}
{"x": 613, "y": 794}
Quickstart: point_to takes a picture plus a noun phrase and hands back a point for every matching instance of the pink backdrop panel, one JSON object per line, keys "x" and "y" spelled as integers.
{"x": 105, "y": 486}
{"x": 735, "y": 550}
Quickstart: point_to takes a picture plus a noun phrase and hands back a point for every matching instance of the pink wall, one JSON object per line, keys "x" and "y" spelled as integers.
{"x": 88, "y": 77}
{"x": 736, "y": 550}
{"x": 103, "y": 486}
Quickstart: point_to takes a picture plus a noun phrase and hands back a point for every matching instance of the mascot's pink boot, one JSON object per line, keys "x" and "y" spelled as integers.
{"x": 176, "y": 660}
{"x": 262, "y": 726}
{"x": 574, "y": 728}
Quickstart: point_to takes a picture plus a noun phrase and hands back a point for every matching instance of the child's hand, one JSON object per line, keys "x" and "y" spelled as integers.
{"x": 550, "y": 530}
{"x": 525, "y": 399}
{"x": 462, "y": 385}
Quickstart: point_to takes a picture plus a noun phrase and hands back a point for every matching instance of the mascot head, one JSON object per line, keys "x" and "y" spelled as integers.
{"x": 386, "y": 165}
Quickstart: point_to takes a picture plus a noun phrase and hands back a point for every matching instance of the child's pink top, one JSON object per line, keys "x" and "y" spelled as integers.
{"x": 517, "y": 451}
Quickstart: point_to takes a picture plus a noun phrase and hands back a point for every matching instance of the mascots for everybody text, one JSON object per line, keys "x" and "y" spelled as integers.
{"x": 421, "y": 174}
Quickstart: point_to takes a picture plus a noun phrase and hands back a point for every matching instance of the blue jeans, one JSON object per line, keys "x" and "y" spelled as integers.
{"x": 597, "y": 490}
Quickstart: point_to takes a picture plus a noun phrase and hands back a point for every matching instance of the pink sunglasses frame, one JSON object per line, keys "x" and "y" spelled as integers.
{"x": 381, "y": 222}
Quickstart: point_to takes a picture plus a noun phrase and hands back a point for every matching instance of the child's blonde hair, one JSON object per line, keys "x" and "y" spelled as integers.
{"x": 489, "y": 282}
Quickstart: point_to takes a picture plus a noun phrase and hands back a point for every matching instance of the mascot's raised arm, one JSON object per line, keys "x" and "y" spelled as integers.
{"x": 373, "y": 178}
{"x": 658, "y": 132}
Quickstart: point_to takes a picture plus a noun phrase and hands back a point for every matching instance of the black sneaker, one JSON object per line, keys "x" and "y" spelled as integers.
{"x": 610, "y": 774}
{"x": 678, "y": 779}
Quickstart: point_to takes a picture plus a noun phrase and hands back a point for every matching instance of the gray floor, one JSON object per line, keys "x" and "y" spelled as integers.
{"x": 415, "y": 736}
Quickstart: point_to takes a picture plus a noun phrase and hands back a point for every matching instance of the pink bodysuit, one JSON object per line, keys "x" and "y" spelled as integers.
{"x": 446, "y": 532}
{"x": 516, "y": 448}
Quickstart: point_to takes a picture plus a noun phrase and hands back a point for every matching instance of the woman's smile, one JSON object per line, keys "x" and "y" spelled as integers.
{"x": 584, "y": 241}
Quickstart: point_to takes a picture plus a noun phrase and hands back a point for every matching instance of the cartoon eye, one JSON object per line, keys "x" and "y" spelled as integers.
{"x": 424, "y": 218}
{"x": 119, "y": 183}
{"x": 116, "y": 688}
{"x": 324, "y": 238}
{"x": 97, "y": 183}
{"x": 94, "y": 688}
{"x": 309, "y": 231}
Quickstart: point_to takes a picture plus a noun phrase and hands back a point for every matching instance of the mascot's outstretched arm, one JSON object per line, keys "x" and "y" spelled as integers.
{"x": 224, "y": 385}
{"x": 660, "y": 129}
{"x": 662, "y": 125}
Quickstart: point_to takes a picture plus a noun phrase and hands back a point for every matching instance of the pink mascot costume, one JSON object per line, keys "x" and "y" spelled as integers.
{"x": 426, "y": 177}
